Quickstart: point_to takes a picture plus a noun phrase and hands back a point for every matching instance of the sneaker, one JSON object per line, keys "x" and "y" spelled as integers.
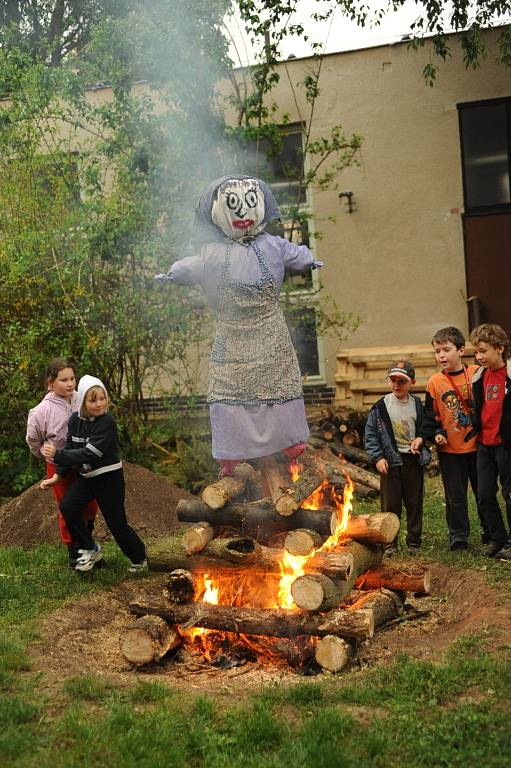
{"x": 491, "y": 549}
{"x": 458, "y": 546}
{"x": 504, "y": 553}
{"x": 413, "y": 549}
{"x": 391, "y": 550}
{"x": 73, "y": 555}
{"x": 138, "y": 567}
{"x": 88, "y": 558}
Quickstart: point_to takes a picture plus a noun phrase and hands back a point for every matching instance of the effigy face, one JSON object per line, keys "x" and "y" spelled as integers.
{"x": 238, "y": 208}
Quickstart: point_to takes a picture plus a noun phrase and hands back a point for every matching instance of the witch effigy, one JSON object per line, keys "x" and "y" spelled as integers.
{"x": 255, "y": 394}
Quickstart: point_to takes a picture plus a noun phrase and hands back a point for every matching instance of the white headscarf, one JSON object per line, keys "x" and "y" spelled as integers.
{"x": 86, "y": 383}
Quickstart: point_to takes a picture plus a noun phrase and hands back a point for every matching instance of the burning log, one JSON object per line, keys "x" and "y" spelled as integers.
{"x": 332, "y": 653}
{"x": 416, "y": 580}
{"x": 316, "y": 592}
{"x": 258, "y": 519}
{"x": 351, "y": 453}
{"x": 148, "y": 639}
{"x": 180, "y": 587}
{"x": 219, "y": 493}
{"x": 359, "y": 475}
{"x": 377, "y": 528}
{"x": 287, "y": 495}
{"x": 303, "y": 541}
{"x": 241, "y": 556}
{"x": 264, "y": 621}
{"x": 361, "y": 491}
{"x": 385, "y": 605}
{"x": 197, "y": 537}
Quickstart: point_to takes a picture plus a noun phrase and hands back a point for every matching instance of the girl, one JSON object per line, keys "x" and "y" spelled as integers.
{"x": 47, "y": 423}
{"x": 255, "y": 387}
{"x": 92, "y": 444}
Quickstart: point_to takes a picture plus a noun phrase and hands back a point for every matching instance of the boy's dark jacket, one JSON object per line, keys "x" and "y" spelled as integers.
{"x": 478, "y": 396}
{"x": 380, "y": 442}
{"x": 91, "y": 444}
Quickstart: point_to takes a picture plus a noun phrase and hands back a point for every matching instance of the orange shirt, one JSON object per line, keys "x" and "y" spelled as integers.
{"x": 450, "y": 411}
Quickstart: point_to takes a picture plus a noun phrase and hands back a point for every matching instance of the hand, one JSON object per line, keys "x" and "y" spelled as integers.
{"x": 416, "y": 445}
{"x": 440, "y": 439}
{"x": 49, "y": 481}
{"x": 48, "y": 451}
{"x": 382, "y": 465}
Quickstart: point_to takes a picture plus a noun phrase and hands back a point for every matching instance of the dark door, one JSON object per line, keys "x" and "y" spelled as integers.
{"x": 488, "y": 265}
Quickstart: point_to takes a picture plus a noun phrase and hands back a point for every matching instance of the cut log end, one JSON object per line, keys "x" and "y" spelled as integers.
{"x": 302, "y": 542}
{"x": 148, "y": 639}
{"x": 332, "y": 653}
{"x": 316, "y": 592}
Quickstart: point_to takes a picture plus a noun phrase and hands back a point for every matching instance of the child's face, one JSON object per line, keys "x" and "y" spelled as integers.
{"x": 447, "y": 356}
{"x": 400, "y": 386}
{"x": 64, "y": 384}
{"x": 96, "y": 402}
{"x": 489, "y": 356}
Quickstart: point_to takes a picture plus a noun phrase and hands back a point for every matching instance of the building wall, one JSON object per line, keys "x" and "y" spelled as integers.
{"x": 398, "y": 260}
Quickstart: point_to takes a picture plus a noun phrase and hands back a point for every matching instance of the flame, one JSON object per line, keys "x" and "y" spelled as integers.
{"x": 294, "y": 469}
{"x": 210, "y": 595}
{"x": 292, "y": 567}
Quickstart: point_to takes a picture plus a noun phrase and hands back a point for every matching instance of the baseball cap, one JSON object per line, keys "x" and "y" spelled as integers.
{"x": 402, "y": 368}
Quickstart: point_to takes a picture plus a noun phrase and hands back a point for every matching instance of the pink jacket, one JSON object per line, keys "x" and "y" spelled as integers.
{"x": 47, "y": 422}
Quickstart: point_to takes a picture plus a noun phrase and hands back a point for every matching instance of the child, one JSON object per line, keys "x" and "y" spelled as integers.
{"x": 47, "y": 423}
{"x": 255, "y": 391}
{"x": 447, "y": 422}
{"x": 92, "y": 444}
{"x": 491, "y": 387}
{"x": 394, "y": 443}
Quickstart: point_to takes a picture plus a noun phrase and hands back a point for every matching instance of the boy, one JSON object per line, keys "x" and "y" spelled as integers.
{"x": 491, "y": 388}
{"x": 447, "y": 422}
{"x": 394, "y": 444}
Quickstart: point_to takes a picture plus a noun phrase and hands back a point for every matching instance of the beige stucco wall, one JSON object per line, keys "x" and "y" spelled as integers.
{"x": 398, "y": 261}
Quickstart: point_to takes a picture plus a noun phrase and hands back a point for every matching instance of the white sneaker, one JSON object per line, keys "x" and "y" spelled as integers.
{"x": 87, "y": 558}
{"x": 138, "y": 567}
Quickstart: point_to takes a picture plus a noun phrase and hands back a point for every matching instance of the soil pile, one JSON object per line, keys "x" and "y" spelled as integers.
{"x": 151, "y": 500}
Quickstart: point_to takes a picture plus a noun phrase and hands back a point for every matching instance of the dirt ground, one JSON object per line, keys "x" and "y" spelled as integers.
{"x": 151, "y": 500}
{"x": 83, "y": 637}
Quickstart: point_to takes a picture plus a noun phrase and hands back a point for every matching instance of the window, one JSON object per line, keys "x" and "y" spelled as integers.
{"x": 301, "y": 322}
{"x": 485, "y": 131}
{"x": 279, "y": 162}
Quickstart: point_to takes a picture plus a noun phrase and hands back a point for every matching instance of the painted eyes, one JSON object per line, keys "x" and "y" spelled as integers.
{"x": 234, "y": 202}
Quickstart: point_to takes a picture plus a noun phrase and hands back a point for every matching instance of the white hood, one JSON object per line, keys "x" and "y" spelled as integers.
{"x": 86, "y": 383}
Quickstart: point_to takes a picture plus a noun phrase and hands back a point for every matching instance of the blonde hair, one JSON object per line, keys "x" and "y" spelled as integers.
{"x": 83, "y": 409}
{"x": 491, "y": 334}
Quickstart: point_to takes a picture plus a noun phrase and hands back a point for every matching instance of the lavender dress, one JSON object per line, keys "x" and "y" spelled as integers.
{"x": 254, "y": 394}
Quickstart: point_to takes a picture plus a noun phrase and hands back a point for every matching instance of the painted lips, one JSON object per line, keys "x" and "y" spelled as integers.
{"x": 242, "y": 223}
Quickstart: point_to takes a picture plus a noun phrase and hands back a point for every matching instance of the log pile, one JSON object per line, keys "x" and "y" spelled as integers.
{"x": 337, "y": 589}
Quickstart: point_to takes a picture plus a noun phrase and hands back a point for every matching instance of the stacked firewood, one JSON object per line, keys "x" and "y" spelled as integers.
{"x": 342, "y": 592}
{"x": 341, "y": 438}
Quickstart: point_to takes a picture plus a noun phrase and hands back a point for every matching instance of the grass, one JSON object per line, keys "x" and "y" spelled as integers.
{"x": 411, "y": 714}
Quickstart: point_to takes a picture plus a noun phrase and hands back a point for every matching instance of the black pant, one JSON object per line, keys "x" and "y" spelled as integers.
{"x": 108, "y": 490}
{"x": 493, "y": 464}
{"x": 457, "y": 470}
{"x": 405, "y": 485}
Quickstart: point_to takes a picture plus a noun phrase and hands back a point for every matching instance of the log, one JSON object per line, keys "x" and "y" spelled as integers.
{"x": 219, "y": 493}
{"x": 315, "y": 592}
{"x": 286, "y": 494}
{"x": 303, "y": 541}
{"x": 361, "y": 491}
{"x": 223, "y": 556}
{"x": 197, "y": 537}
{"x": 337, "y": 468}
{"x": 180, "y": 587}
{"x": 351, "y": 453}
{"x": 376, "y": 528}
{"x": 360, "y": 475}
{"x": 148, "y": 639}
{"x": 332, "y": 653}
{"x": 384, "y": 603}
{"x": 259, "y": 520}
{"x": 411, "y": 580}
{"x": 268, "y": 622}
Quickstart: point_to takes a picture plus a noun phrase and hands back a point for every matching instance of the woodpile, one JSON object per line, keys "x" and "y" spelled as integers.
{"x": 337, "y": 590}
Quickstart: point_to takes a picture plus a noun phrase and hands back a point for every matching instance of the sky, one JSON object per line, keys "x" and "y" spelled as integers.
{"x": 339, "y": 34}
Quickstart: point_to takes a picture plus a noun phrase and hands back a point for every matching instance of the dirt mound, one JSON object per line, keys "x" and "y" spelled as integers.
{"x": 83, "y": 637}
{"x": 151, "y": 501}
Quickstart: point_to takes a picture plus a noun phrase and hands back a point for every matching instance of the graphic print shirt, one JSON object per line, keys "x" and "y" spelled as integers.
{"x": 452, "y": 412}
{"x": 403, "y": 415}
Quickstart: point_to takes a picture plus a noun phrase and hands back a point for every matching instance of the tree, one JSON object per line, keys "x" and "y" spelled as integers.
{"x": 434, "y": 21}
